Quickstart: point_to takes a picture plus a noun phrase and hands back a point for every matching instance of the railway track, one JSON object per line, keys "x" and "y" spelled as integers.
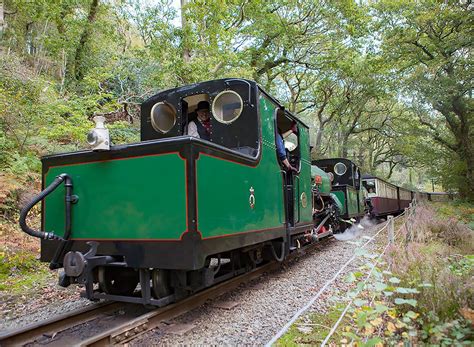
{"x": 50, "y": 327}
{"x": 66, "y": 329}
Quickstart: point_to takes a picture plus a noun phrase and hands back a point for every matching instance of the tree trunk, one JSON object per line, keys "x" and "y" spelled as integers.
{"x": 2, "y": 19}
{"x": 184, "y": 25}
{"x": 77, "y": 67}
{"x": 344, "y": 150}
{"x": 319, "y": 140}
{"x": 466, "y": 154}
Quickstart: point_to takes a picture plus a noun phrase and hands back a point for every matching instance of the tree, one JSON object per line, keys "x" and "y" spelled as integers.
{"x": 431, "y": 44}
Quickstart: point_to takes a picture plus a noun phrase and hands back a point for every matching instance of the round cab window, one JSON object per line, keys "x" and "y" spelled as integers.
{"x": 227, "y": 106}
{"x": 163, "y": 117}
{"x": 340, "y": 169}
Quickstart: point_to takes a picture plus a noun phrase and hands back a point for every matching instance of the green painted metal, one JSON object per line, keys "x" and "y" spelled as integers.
{"x": 223, "y": 188}
{"x": 341, "y": 197}
{"x": 362, "y": 196}
{"x": 303, "y": 193}
{"x": 132, "y": 198}
{"x": 352, "y": 202}
{"x": 325, "y": 186}
{"x": 338, "y": 202}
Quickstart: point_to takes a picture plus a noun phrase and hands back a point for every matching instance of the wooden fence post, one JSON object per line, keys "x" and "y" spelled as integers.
{"x": 390, "y": 228}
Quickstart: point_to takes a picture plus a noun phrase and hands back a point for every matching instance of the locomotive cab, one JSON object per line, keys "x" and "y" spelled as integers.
{"x": 234, "y": 121}
{"x": 346, "y": 185}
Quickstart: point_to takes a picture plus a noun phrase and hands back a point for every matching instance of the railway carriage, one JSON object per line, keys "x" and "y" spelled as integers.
{"x": 404, "y": 198}
{"x": 176, "y": 213}
{"x": 383, "y": 197}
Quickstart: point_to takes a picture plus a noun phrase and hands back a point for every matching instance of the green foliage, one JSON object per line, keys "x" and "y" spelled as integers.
{"x": 424, "y": 298}
{"x": 429, "y": 43}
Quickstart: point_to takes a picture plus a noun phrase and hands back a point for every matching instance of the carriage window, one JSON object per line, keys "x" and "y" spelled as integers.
{"x": 163, "y": 117}
{"x": 227, "y": 106}
{"x": 370, "y": 186}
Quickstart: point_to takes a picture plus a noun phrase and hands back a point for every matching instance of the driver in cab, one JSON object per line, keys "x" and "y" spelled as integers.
{"x": 281, "y": 151}
{"x": 201, "y": 127}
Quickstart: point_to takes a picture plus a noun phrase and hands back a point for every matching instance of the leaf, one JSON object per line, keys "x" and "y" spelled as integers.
{"x": 376, "y": 322}
{"x": 400, "y": 301}
{"x": 361, "y": 319}
{"x": 394, "y": 280}
{"x": 411, "y": 314}
{"x": 360, "y": 302}
{"x": 373, "y": 342}
{"x": 381, "y": 308}
{"x": 379, "y": 286}
{"x": 369, "y": 330}
{"x": 402, "y": 290}
{"x": 351, "y": 278}
{"x": 391, "y": 327}
{"x": 388, "y": 293}
{"x": 425, "y": 285}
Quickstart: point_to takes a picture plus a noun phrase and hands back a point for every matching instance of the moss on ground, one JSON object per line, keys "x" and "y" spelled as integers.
{"x": 21, "y": 272}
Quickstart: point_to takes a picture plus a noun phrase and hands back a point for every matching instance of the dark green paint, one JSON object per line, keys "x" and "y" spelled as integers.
{"x": 134, "y": 198}
{"x": 325, "y": 186}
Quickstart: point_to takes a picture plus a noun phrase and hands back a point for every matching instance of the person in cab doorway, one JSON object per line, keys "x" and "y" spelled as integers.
{"x": 281, "y": 151}
{"x": 201, "y": 127}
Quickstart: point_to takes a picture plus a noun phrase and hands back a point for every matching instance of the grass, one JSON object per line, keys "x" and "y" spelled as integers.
{"x": 313, "y": 329}
{"x": 462, "y": 211}
{"x": 20, "y": 269}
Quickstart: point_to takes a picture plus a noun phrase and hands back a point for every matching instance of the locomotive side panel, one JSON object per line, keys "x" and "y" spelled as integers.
{"x": 304, "y": 193}
{"x": 150, "y": 204}
{"x": 233, "y": 198}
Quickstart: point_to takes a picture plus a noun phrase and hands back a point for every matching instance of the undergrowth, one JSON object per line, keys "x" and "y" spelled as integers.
{"x": 419, "y": 293}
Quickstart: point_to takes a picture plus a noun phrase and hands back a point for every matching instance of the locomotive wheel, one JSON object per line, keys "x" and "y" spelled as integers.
{"x": 161, "y": 283}
{"x": 117, "y": 281}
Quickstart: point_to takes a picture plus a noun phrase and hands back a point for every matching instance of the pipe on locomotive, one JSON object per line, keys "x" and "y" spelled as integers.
{"x": 69, "y": 200}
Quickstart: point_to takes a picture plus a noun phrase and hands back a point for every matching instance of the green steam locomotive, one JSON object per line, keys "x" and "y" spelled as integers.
{"x": 155, "y": 221}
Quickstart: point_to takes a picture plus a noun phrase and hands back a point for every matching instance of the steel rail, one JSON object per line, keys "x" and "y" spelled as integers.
{"x": 129, "y": 330}
{"x": 142, "y": 324}
{"x": 56, "y": 324}
{"x": 147, "y": 322}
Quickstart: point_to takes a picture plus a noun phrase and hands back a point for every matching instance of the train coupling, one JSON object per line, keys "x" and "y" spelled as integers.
{"x": 78, "y": 267}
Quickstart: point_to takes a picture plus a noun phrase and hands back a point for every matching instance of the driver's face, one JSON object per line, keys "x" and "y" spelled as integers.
{"x": 203, "y": 114}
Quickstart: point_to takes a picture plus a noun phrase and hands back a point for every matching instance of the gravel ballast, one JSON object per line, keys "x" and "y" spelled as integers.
{"x": 252, "y": 314}
{"x": 258, "y": 310}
